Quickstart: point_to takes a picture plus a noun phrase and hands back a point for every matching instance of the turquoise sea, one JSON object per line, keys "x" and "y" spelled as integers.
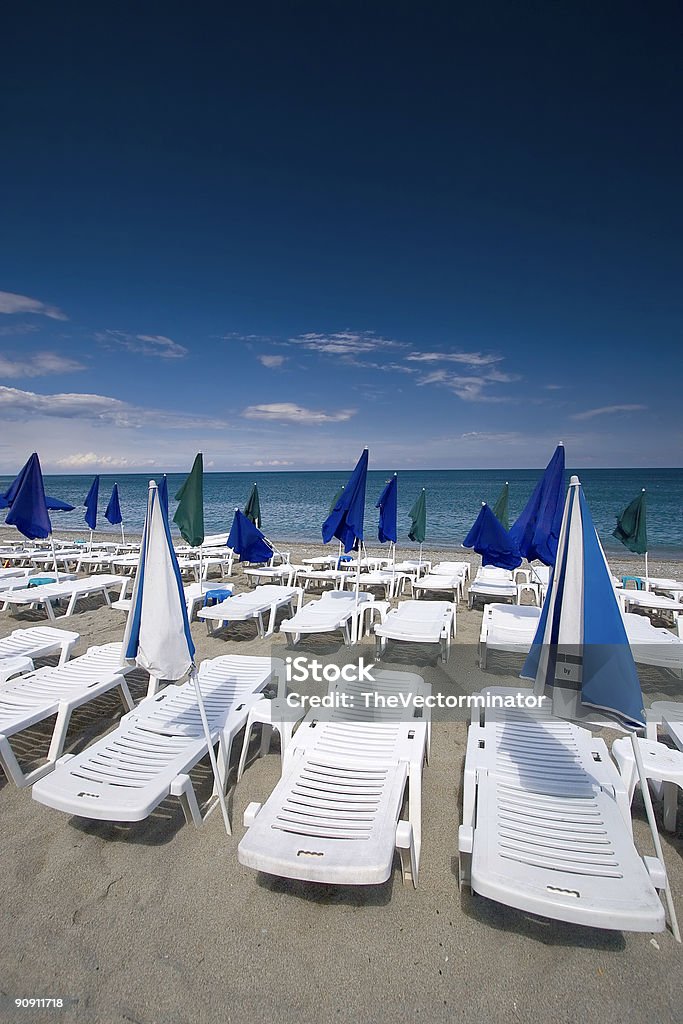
{"x": 294, "y": 504}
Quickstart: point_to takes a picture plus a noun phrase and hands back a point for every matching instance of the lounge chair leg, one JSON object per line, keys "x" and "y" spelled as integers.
{"x": 406, "y": 848}
{"x": 182, "y": 788}
{"x": 59, "y": 733}
{"x": 670, "y": 805}
{"x": 126, "y": 699}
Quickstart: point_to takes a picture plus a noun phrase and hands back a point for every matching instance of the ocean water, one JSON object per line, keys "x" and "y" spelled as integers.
{"x": 294, "y": 504}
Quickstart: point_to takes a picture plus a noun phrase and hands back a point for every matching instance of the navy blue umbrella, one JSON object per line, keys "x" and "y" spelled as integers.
{"x": 90, "y": 505}
{"x": 537, "y": 530}
{"x": 247, "y": 541}
{"x": 163, "y": 493}
{"x": 345, "y": 521}
{"x": 387, "y": 503}
{"x": 489, "y": 538}
{"x": 113, "y": 511}
{"x": 28, "y": 508}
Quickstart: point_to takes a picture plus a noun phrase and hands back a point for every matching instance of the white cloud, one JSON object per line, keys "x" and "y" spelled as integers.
{"x": 12, "y": 303}
{"x": 607, "y": 410}
{"x": 13, "y": 330}
{"x": 90, "y": 460}
{"x": 289, "y": 412}
{"x": 466, "y": 358}
{"x": 471, "y": 388}
{"x": 272, "y": 362}
{"x": 38, "y": 365}
{"x": 344, "y": 343}
{"x": 144, "y": 344}
{"x": 273, "y": 462}
{"x": 15, "y": 404}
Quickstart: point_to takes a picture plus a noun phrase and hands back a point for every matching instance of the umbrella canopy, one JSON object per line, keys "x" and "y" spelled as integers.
{"x": 536, "y": 532}
{"x": 631, "y": 527}
{"x": 387, "y": 503}
{"x": 252, "y": 509}
{"x": 90, "y": 503}
{"x": 53, "y": 504}
{"x": 157, "y": 635}
{"x": 247, "y": 541}
{"x": 418, "y": 519}
{"x": 336, "y": 499}
{"x": 489, "y": 538}
{"x": 581, "y": 655}
{"x": 113, "y": 510}
{"x": 345, "y": 521}
{"x": 28, "y": 507}
{"x": 500, "y": 509}
{"x": 189, "y": 516}
{"x": 162, "y": 490}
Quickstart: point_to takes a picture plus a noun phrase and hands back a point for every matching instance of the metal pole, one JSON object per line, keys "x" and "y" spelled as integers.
{"x": 212, "y": 753}
{"x": 54, "y": 558}
{"x": 647, "y": 799}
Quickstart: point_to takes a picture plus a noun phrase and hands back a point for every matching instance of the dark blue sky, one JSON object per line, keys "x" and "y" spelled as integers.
{"x": 278, "y": 234}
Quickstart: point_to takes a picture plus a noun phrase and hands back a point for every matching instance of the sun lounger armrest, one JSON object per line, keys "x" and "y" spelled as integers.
{"x": 250, "y": 813}
{"x": 657, "y": 872}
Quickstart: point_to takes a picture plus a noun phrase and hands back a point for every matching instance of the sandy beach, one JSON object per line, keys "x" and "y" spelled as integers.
{"x": 158, "y": 922}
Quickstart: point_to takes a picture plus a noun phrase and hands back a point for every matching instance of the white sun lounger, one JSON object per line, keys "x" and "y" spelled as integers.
{"x": 420, "y": 622}
{"x": 452, "y": 569}
{"x": 254, "y": 604}
{"x": 512, "y": 628}
{"x": 38, "y": 642}
{"x": 335, "y": 815}
{"x": 546, "y": 826}
{"x": 56, "y": 691}
{"x": 68, "y": 590}
{"x": 335, "y": 610}
{"x": 147, "y": 758}
{"x": 440, "y": 583}
{"x": 491, "y": 582}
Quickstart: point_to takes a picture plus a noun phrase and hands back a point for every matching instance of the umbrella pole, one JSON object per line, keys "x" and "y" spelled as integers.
{"x": 212, "y": 754}
{"x": 647, "y": 578}
{"x": 54, "y": 557}
{"x": 647, "y": 799}
{"x": 90, "y": 544}
{"x": 419, "y": 561}
{"x": 123, "y": 536}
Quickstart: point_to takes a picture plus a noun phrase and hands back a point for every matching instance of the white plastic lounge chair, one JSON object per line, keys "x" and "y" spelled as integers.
{"x": 147, "y": 758}
{"x": 67, "y": 590}
{"x": 335, "y": 815}
{"x": 310, "y": 577}
{"x": 255, "y": 604}
{"x": 38, "y": 642}
{"x": 439, "y": 583}
{"x": 284, "y": 574}
{"x": 653, "y": 603}
{"x": 56, "y": 691}
{"x": 491, "y": 582}
{"x": 390, "y": 582}
{"x": 335, "y": 610}
{"x": 452, "y": 569}
{"x": 546, "y": 826}
{"x": 422, "y": 622}
{"x": 652, "y": 645}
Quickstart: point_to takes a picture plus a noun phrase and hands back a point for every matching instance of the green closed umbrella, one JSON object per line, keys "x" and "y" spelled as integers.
{"x": 336, "y": 499}
{"x": 189, "y": 516}
{"x": 418, "y": 521}
{"x": 631, "y": 528}
{"x": 252, "y": 509}
{"x": 500, "y": 509}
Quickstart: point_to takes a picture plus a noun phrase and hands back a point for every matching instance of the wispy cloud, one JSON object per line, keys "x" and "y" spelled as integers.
{"x": 289, "y": 412}
{"x": 344, "y": 343}
{"x": 38, "y": 365}
{"x": 272, "y": 462}
{"x": 607, "y": 410}
{"x": 466, "y": 358}
{"x": 13, "y": 303}
{"x": 472, "y": 387}
{"x": 144, "y": 344}
{"x": 90, "y": 460}
{"x": 272, "y": 362}
{"x": 103, "y": 409}
{"x": 17, "y": 329}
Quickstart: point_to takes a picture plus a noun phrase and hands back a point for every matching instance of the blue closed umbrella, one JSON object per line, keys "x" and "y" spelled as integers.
{"x": 345, "y": 521}
{"x": 536, "y": 532}
{"x": 247, "y": 541}
{"x": 90, "y": 505}
{"x": 28, "y": 507}
{"x": 113, "y": 511}
{"x": 489, "y": 538}
{"x": 387, "y": 503}
{"x": 163, "y": 493}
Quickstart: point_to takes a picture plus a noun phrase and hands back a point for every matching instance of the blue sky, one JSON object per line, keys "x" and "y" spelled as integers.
{"x": 280, "y": 234}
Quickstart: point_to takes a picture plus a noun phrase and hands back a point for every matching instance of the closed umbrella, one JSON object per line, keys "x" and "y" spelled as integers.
{"x": 157, "y": 635}
{"x": 631, "y": 528}
{"x": 418, "y": 522}
{"x": 581, "y": 657}
{"x": 536, "y": 532}
{"x": 346, "y": 520}
{"x": 252, "y": 509}
{"x": 28, "y": 507}
{"x": 500, "y": 509}
{"x": 247, "y": 541}
{"x": 489, "y": 538}
{"x": 189, "y": 515}
{"x": 90, "y": 505}
{"x": 113, "y": 511}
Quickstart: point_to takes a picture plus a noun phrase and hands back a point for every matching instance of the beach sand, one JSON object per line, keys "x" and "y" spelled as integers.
{"x": 158, "y": 923}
